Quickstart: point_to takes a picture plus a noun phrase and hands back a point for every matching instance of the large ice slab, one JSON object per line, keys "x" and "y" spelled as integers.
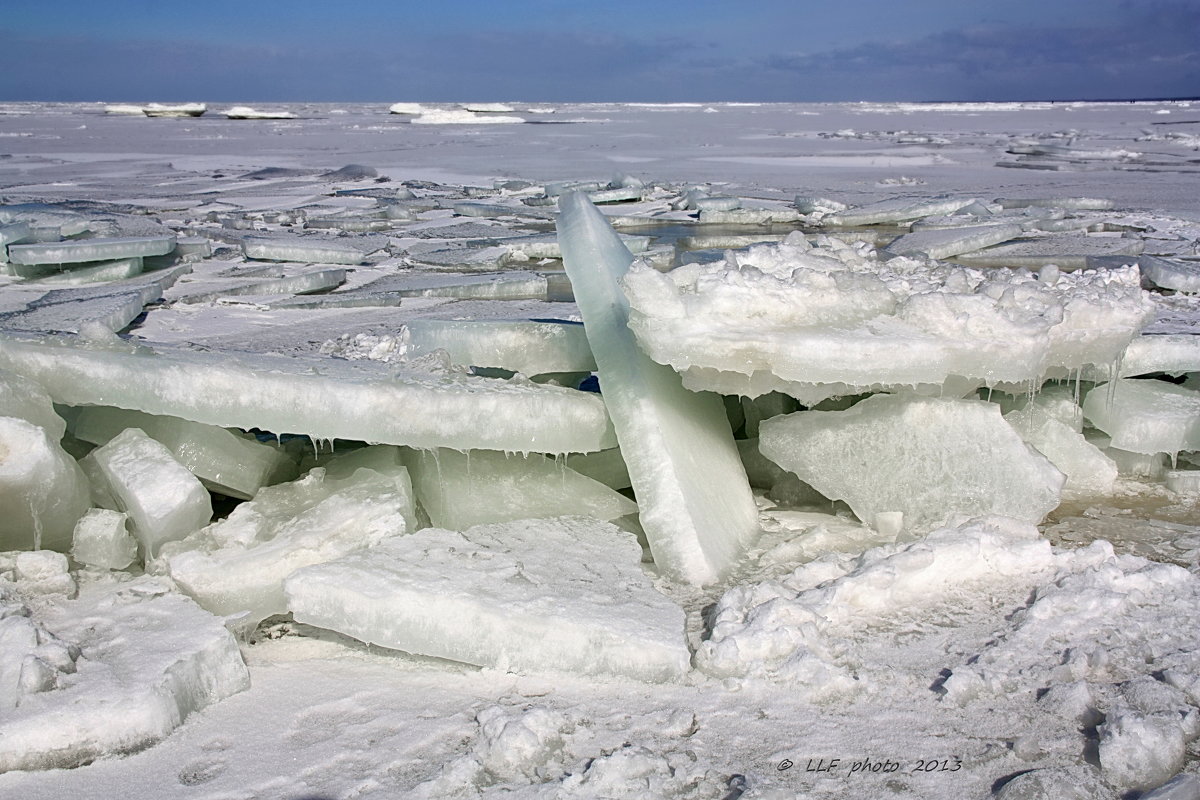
{"x": 900, "y": 209}
{"x": 42, "y": 490}
{"x": 83, "y": 250}
{"x": 929, "y": 458}
{"x": 164, "y": 501}
{"x": 302, "y": 283}
{"x": 322, "y": 397}
{"x": 947, "y": 242}
{"x": 558, "y": 595}
{"x": 528, "y": 347}
{"x": 1146, "y": 416}
{"x": 1171, "y": 273}
{"x": 148, "y": 659}
{"x": 1089, "y": 471}
{"x": 694, "y": 499}
{"x": 787, "y": 317}
{"x": 236, "y": 566}
{"x": 307, "y": 250}
{"x": 1065, "y": 252}
{"x": 461, "y": 490}
{"x": 105, "y": 271}
{"x": 224, "y": 461}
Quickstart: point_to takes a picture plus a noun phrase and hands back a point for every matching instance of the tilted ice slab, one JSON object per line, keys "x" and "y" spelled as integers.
{"x": 84, "y": 250}
{"x": 306, "y": 250}
{"x": 236, "y": 566}
{"x": 246, "y": 112}
{"x": 1146, "y": 416}
{"x": 1065, "y": 252}
{"x": 165, "y": 502}
{"x": 558, "y": 595}
{"x": 928, "y": 458}
{"x": 322, "y": 397}
{"x": 528, "y": 347}
{"x": 304, "y": 283}
{"x": 120, "y": 269}
{"x": 461, "y": 490}
{"x": 1089, "y": 471}
{"x": 946, "y": 242}
{"x": 27, "y": 400}
{"x": 1170, "y": 273}
{"x": 694, "y": 499}
{"x": 786, "y": 317}
{"x": 149, "y": 659}
{"x": 224, "y": 461}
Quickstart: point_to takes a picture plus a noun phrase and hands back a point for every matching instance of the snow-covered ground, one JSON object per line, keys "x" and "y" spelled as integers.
{"x": 933, "y": 650}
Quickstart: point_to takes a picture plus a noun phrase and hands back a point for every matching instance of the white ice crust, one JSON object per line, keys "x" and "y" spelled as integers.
{"x": 785, "y": 317}
{"x": 558, "y": 595}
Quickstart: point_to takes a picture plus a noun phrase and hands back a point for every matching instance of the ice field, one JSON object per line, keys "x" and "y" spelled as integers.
{"x": 600, "y": 451}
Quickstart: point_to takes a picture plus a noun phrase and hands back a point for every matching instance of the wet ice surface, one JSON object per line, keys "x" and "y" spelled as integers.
{"x": 966, "y": 657}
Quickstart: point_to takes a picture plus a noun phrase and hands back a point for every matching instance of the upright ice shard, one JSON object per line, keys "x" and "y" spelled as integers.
{"x": 929, "y": 458}
{"x": 695, "y": 501}
{"x": 558, "y": 595}
{"x": 461, "y": 490}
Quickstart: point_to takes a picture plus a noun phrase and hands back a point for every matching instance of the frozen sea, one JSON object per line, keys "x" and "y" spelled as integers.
{"x": 954, "y": 682}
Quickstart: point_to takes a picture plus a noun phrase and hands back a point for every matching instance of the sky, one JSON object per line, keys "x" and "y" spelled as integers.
{"x": 609, "y": 50}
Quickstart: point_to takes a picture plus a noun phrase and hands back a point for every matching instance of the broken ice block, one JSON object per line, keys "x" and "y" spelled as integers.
{"x": 794, "y": 316}
{"x": 111, "y": 306}
{"x": 82, "y": 250}
{"x": 1146, "y": 416}
{"x": 105, "y": 271}
{"x": 25, "y": 399}
{"x": 695, "y": 502}
{"x": 561, "y": 595}
{"x": 1065, "y": 252}
{"x": 1183, "y": 481}
{"x": 236, "y": 566}
{"x": 1089, "y": 472}
{"x": 164, "y": 501}
{"x": 929, "y": 458}
{"x": 528, "y": 347}
{"x": 42, "y": 490}
{"x": 1171, "y": 273}
{"x": 101, "y": 539}
{"x": 900, "y": 209}
{"x": 307, "y": 250}
{"x": 947, "y": 242}
{"x": 750, "y": 216}
{"x": 1174, "y": 354}
{"x": 152, "y": 659}
{"x": 303, "y": 283}
{"x": 460, "y": 490}
{"x": 1071, "y": 203}
{"x": 224, "y": 461}
{"x": 606, "y": 466}
{"x": 324, "y": 398}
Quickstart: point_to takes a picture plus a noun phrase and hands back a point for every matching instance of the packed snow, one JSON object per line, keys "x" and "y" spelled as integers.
{"x": 667, "y": 450}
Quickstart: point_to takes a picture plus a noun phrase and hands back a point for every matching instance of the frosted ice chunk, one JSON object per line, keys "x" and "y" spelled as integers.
{"x": 561, "y": 595}
{"x": 150, "y": 658}
{"x": 84, "y": 250}
{"x": 489, "y": 108}
{"x": 460, "y": 490}
{"x": 407, "y": 108}
{"x": 246, "y": 112}
{"x": 111, "y": 306}
{"x": 1150, "y": 466}
{"x": 494, "y": 210}
{"x": 459, "y": 116}
{"x": 929, "y": 458}
{"x": 322, "y": 397}
{"x": 118, "y": 270}
{"x": 124, "y": 109}
{"x": 303, "y": 283}
{"x": 224, "y": 461}
{"x": 703, "y": 204}
{"x": 785, "y": 317}
{"x": 174, "y": 110}
{"x": 531, "y": 348}
{"x": 1141, "y": 751}
{"x": 1173, "y": 354}
{"x": 42, "y": 490}
{"x": 1070, "y": 203}
{"x": 1170, "y": 273}
{"x": 102, "y": 540}
{"x": 14, "y": 233}
{"x": 1183, "y": 481}
{"x": 1181, "y": 787}
{"x": 900, "y": 209}
{"x": 750, "y": 216}
{"x": 694, "y": 499}
{"x": 537, "y": 247}
{"x": 606, "y": 466}
{"x": 624, "y": 194}
{"x": 164, "y": 501}
{"x": 1089, "y": 472}
{"x": 302, "y": 249}
{"x": 236, "y": 566}
{"x": 1146, "y": 416}
{"x": 25, "y": 399}
{"x": 947, "y": 242}
{"x": 812, "y": 205}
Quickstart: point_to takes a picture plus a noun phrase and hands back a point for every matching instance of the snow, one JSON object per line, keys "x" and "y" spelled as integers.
{"x": 498, "y": 595}
{"x": 693, "y": 497}
{"x": 984, "y": 660}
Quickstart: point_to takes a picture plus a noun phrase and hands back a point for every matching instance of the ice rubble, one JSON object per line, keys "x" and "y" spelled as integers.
{"x": 461, "y": 490}
{"x": 795, "y": 316}
{"x": 694, "y": 500}
{"x": 955, "y": 456}
{"x": 130, "y": 662}
{"x": 503, "y": 596}
{"x": 236, "y": 566}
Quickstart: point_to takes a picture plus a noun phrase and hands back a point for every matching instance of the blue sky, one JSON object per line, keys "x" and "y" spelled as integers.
{"x": 558, "y": 50}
